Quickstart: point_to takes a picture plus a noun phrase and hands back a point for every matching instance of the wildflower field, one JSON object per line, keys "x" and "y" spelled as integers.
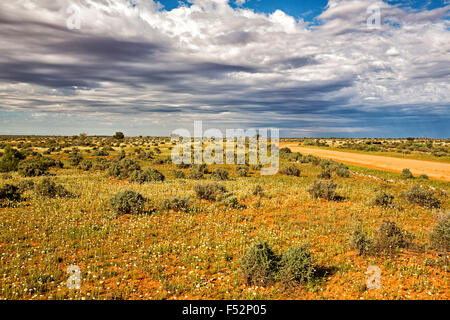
{"x": 140, "y": 227}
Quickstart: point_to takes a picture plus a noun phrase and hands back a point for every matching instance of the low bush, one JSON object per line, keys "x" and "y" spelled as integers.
{"x": 291, "y": 170}
{"x": 231, "y": 201}
{"x": 390, "y": 237}
{"x": 195, "y": 174}
{"x": 178, "y": 174}
{"x": 85, "y": 165}
{"x": 123, "y": 168}
{"x": 259, "y": 265}
{"x": 25, "y": 185}
{"x": 128, "y": 202}
{"x": 383, "y": 199}
{"x": 101, "y": 164}
{"x": 48, "y": 188}
{"x": 406, "y": 174}
{"x": 102, "y": 153}
{"x": 33, "y": 167}
{"x": 149, "y": 175}
{"x": 9, "y": 192}
{"x": 202, "y": 168}
{"x": 258, "y": 190}
{"x": 285, "y": 150}
{"x": 183, "y": 166}
{"x": 220, "y": 174}
{"x": 295, "y": 265}
{"x": 242, "y": 170}
{"x": 209, "y": 191}
{"x": 324, "y": 189}
{"x": 440, "y": 234}
{"x": 360, "y": 241}
{"x": 10, "y": 159}
{"x": 176, "y": 204}
{"x": 342, "y": 172}
{"x": 75, "y": 159}
{"x": 325, "y": 174}
{"x": 422, "y": 197}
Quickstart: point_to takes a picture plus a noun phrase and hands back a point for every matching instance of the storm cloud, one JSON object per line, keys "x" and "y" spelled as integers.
{"x": 147, "y": 70}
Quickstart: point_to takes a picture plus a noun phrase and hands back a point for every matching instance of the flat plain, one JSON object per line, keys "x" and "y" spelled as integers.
{"x": 140, "y": 227}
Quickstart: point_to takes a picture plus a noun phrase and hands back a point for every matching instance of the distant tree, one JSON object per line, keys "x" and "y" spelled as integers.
{"x": 119, "y": 136}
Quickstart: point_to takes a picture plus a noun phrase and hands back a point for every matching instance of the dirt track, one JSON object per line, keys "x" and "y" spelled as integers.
{"x": 435, "y": 170}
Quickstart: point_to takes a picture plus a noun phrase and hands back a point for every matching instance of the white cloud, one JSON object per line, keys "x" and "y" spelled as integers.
{"x": 210, "y": 58}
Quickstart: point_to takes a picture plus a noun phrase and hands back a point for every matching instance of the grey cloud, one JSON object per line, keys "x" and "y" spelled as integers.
{"x": 257, "y": 69}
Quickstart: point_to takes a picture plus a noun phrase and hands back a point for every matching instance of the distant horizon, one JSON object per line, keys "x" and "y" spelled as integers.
{"x": 168, "y": 136}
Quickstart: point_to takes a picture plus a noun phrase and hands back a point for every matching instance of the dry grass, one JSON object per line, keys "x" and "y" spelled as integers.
{"x": 166, "y": 253}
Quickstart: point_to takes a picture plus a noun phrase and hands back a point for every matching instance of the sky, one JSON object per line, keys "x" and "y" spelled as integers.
{"x": 309, "y": 68}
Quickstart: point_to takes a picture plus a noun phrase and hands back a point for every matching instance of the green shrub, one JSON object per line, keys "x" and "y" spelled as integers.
{"x": 183, "y": 165}
{"x": 85, "y": 165}
{"x": 48, "y": 188}
{"x": 128, "y": 202}
{"x": 9, "y": 192}
{"x": 342, "y": 172}
{"x": 209, "y": 191}
{"x": 325, "y": 174}
{"x": 123, "y": 168}
{"x": 242, "y": 170}
{"x": 220, "y": 174}
{"x": 285, "y": 150}
{"x": 259, "y": 264}
{"x": 195, "y": 173}
{"x": 296, "y": 265}
{"x": 324, "y": 189}
{"x": 422, "y": 197}
{"x": 291, "y": 170}
{"x": 75, "y": 159}
{"x": 25, "y": 185}
{"x": 179, "y": 174}
{"x": 406, "y": 174}
{"x": 176, "y": 204}
{"x": 440, "y": 234}
{"x": 10, "y": 159}
{"x": 201, "y": 167}
{"x": 231, "y": 201}
{"x": 49, "y": 162}
{"x": 102, "y": 153}
{"x": 149, "y": 175}
{"x": 101, "y": 164}
{"x": 390, "y": 237}
{"x": 258, "y": 190}
{"x": 146, "y": 156}
{"x": 383, "y": 199}
{"x": 360, "y": 241}
{"x": 33, "y": 167}
{"x": 424, "y": 176}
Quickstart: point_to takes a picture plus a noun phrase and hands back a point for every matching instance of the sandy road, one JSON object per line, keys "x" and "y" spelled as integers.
{"x": 435, "y": 170}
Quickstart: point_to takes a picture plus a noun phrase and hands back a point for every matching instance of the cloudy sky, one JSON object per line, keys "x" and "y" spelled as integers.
{"x": 308, "y": 67}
